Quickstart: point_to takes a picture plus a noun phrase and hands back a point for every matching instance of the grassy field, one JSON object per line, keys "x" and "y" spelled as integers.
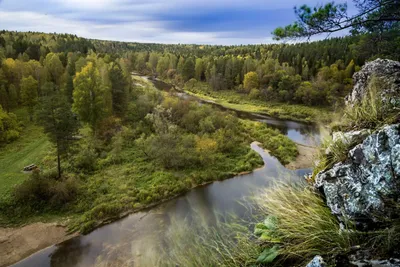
{"x": 242, "y": 102}
{"x": 30, "y": 148}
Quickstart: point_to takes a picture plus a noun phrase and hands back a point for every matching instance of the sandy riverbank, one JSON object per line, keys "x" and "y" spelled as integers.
{"x": 305, "y": 159}
{"x": 18, "y": 243}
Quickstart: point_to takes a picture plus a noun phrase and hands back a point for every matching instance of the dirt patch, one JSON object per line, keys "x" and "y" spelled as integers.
{"x": 305, "y": 158}
{"x": 18, "y": 243}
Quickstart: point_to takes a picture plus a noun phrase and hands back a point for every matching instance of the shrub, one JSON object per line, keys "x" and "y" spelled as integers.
{"x": 86, "y": 159}
{"x": 9, "y": 128}
{"x": 39, "y": 191}
{"x": 254, "y": 94}
{"x": 108, "y": 128}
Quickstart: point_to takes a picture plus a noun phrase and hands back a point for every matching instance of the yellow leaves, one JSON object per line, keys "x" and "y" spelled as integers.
{"x": 251, "y": 81}
{"x": 205, "y": 145}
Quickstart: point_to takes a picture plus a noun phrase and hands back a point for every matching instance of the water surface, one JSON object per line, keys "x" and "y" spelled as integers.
{"x": 140, "y": 235}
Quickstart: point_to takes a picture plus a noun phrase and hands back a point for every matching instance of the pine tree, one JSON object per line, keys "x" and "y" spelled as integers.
{"x": 119, "y": 90}
{"x": 29, "y": 94}
{"x": 59, "y": 123}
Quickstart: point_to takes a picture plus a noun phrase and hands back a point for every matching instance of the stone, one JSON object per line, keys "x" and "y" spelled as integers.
{"x": 318, "y": 261}
{"x": 30, "y": 168}
{"x": 348, "y": 138}
{"x": 377, "y": 263}
{"x": 358, "y": 187}
{"x": 386, "y": 70}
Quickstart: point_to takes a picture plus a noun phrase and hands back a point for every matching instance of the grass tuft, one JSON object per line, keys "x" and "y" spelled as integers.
{"x": 305, "y": 226}
{"x": 372, "y": 112}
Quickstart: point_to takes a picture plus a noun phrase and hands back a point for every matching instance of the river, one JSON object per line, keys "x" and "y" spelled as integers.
{"x": 141, "y": 234}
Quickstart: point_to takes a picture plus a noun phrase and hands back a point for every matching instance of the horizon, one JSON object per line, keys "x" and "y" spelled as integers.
{"x": 211, "y": 23}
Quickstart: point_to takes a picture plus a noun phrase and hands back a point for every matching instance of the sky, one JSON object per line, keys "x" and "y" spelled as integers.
{"x": 226, "y": 22}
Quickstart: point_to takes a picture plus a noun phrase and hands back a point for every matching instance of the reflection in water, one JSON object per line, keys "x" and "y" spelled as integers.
{"x": 136, "y": 239}
{"x": 142, "y": 234}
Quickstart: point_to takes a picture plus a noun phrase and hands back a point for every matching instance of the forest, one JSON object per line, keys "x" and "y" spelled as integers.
{"x": 80, "y": 93}
{"x": 81, "y": 117}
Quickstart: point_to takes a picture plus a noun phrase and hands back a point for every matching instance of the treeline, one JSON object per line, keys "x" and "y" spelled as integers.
{"x": 317, "y": 73}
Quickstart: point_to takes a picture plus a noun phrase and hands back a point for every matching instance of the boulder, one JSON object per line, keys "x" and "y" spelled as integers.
{"x": 348, "y": 138}
{"x": 318, "y": 261}
{"x": 386, "y": 70}
{"x": 377, "y": 263}
{"x": 359, "y": 187}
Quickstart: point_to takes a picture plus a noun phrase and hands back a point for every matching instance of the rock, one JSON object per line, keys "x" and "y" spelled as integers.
{"x": 30, "y": 168}
{"x": 357, "y": 188}
{"x": 386, "y": 70}
{"x": 348, "y": 138}
{"x": 352, "y": 136}
{"x": 318, "y": 261}
{"x": 377, "y": 263}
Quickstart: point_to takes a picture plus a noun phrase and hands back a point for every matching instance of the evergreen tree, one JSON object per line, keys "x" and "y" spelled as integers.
{"x": 29, "y": 94}
{"x": 188, "y": 70}
{"x": 4, "y": 101}
{"x": 118, "y": 90}
{"x": 59, "y": 123}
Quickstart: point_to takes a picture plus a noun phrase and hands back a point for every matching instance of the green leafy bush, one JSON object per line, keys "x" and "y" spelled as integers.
{"x": 9, "y": 127}
{"x": 39, "y": 192}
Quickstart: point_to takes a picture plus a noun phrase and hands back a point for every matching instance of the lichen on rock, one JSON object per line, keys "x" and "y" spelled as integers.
{"x": 317, "y": 261}
{"x": 388, "y": 71}
{"x": 358, "y": 188}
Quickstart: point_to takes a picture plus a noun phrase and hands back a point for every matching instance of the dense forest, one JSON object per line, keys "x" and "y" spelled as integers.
{"x": 64, "y": 82}
{"x": 316, "y": 73}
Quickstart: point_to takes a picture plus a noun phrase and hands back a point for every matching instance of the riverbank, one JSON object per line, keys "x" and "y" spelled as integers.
{"x": 234, "y": 100}
{"x": 231, "y": 99}
{"x": 26, "y": 240}
{"x": 305, "y": 158}
{"x": 18, "y": 243}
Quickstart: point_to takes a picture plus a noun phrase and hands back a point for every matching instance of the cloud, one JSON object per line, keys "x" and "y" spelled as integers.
{"x": 173, "y": 21}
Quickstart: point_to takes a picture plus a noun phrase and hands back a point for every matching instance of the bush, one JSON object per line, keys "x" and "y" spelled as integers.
{"x": 86, "y": 159}
{"x": 254, "y": 94}
{"x": 40, "y": 191}
{"x": 9, "y": 128}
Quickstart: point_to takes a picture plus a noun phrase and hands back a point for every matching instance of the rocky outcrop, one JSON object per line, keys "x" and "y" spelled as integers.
{"x": 318, "y": 261}
{"x": 364, "y": 186}
{"x": 388, "y": 71}
{"x": 359, "y": 188}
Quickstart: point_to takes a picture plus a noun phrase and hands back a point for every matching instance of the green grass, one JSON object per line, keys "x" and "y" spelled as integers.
{"x": 138, "y": 182}
{"x": 371, "y": 112}
{"x": 30, "y": 148}
{"x": 242, "y": 102}
{"x": 280, "y": 146}
{"x": 305, "y": 225}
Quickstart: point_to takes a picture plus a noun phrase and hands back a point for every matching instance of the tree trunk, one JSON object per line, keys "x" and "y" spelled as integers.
{"x": 58, "y": 160}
